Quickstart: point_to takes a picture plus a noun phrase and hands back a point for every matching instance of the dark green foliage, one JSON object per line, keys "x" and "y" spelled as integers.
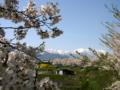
{"x": 85, "y": 85}
{"x": 70, "y": 88}
{"x": 96, "y": 79}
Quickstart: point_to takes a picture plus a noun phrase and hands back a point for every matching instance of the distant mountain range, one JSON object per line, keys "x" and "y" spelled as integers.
{"x": 50, "y": 54}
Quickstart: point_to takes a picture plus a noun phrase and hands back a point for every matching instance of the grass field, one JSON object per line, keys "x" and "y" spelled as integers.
{"x": 90, "y": 78}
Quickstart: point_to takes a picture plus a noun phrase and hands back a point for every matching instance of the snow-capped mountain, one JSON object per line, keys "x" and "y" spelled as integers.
{"x": 62, "y": 52}
{"x": 52, "y": 53}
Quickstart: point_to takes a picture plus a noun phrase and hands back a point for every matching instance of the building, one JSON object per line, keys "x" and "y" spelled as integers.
{"x": 46, "y": 61}
{"x": 44, "y": 65}
{"x": 64, "y": 72}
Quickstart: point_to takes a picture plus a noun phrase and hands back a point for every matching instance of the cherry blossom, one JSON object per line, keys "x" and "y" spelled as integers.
{"x": 17, "y": 60}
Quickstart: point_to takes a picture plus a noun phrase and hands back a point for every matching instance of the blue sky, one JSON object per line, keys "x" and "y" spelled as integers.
{"x": 81, "y": 24}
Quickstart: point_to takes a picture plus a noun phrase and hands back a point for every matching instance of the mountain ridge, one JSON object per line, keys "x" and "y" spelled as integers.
{"x": 53, "y": 53}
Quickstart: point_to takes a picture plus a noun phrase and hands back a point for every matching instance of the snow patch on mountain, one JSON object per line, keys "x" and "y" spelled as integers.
{"x": 62, "y": 52}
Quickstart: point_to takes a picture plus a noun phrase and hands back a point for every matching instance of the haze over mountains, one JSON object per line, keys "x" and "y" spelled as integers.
{"x": 52, "y": 53}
